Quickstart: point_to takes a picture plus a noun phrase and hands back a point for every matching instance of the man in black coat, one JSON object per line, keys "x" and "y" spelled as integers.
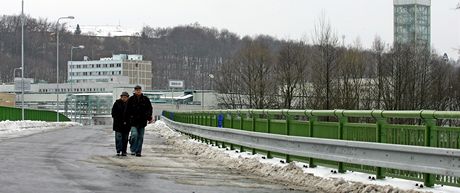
{"x": 140, "y": 112}
{"x": 121, "y": 123}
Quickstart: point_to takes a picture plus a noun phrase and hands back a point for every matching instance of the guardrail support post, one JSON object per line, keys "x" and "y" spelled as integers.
{"x": 288, "y": 132}
{"x": 380, "y": 173}
{"x": 254, "y": 119}
{"x": 342, "y": 121}
{"x": 223, "y": 125}
{"x": 269, "y": 154}
{"x": 242, "y": 116}
{"x": 428, "y": 179}
{"x": 311, "y": 120}
{"x": 232, "y": 117}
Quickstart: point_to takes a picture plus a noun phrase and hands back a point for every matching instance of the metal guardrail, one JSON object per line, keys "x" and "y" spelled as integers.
{"x": 423, "y": 114}
{"x": 440, "y": 161}
{"x": 438, "y": 129}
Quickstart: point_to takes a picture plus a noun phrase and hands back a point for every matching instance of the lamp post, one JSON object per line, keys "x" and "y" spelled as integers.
{"x": 22, "y": 60}
{"x": 57, "y": 64}
{"x": 211, "y": 76}
{"x": 71, "y": 76}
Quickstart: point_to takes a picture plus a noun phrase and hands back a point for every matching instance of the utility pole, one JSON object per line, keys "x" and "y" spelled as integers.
{"x": 22, "y": 61}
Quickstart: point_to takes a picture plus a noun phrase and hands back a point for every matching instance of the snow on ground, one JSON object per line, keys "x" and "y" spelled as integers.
{"x": 319, "y": 178}
{"x": 11, "y": 129}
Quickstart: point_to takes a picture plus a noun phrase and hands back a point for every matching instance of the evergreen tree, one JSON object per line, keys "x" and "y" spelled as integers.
{"x": 78, "y": 31}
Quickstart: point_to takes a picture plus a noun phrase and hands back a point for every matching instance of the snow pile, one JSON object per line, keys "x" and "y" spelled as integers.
{"x": 10, "y": 129}
{"x": 288, "y": 174}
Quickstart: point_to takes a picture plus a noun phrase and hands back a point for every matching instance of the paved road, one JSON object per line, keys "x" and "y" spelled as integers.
{"x": 81, "y": 159}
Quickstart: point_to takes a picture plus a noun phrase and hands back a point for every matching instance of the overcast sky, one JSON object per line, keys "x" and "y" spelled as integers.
{"x": 285, "y": 19}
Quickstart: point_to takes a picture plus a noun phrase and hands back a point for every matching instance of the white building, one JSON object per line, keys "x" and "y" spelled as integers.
{"x": 121, "y": 68}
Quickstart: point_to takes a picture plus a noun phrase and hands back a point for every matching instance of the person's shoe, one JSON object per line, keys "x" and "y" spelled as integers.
{"x": 138, "y": 155}
{"x": 118, "y": 154}
{"x": 132, "y": 153}
{"x": 123, "y": 154}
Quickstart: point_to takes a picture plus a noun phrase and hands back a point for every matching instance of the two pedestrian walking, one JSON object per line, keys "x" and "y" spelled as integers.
{"x": 137, "y": 112}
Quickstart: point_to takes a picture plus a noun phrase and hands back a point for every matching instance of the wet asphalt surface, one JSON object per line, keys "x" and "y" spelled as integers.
{"x": 81, "y": 159}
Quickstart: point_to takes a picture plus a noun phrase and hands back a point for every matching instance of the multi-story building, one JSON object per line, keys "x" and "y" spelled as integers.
{"x": 412, "y": 22}
{"x": 127, "y": 69}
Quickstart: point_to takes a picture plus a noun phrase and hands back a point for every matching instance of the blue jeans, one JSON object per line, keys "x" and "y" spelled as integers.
{"x": 136, "y": 140}
{"x": 121, "y": 142}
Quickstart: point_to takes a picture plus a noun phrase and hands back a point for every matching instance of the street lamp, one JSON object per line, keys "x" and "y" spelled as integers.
{"x": 71, "y": 63}
{"x": 71, "y": 76}
{"x": 211, "y": 76}
{"x": 57, "y": 64}
{"x": 14, "y": 72}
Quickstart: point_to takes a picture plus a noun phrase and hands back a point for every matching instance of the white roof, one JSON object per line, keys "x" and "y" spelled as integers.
{"x": 93, "y": 94}
{"x": 177, "y": 98}
{"x": 184, "y": 97}
{"x": 411, "y": 2}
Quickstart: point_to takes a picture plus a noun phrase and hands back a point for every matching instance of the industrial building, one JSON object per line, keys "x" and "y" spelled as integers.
{"x": 130, "y": 69}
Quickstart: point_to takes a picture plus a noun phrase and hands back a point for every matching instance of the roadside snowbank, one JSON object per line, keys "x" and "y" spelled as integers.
{"x": 11, "y": 129}
{"x": 312, "y": 179}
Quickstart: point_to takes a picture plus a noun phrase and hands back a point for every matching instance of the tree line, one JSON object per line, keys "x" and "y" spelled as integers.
{"x": 326, "y": 74}
{"x": 252, "y": 72}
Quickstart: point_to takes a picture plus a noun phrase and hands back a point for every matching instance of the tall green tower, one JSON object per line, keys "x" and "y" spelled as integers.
{"x": 412, "y": 22}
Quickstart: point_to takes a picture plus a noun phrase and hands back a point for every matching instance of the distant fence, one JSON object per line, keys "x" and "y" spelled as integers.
{"x": 426, "y": 128}
{"x": 15, "y": 114}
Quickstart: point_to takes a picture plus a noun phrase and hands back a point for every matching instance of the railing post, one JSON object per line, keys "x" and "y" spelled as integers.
{"x": 342, "y": 121}
{"x": 232, "y": 117}
{"x": 242, "y": 116}
{"x": 311, "y": 120}
{"x": 269, "y": 154}
{"x": 223, "y": 115}
{"x": 380, "y": 173}
{"x": 253, "y": 116}
{"x": 241, "y": 128}
{"x": 288, "y": 132}
{"x": 209, "y": 124}
{"x": 195, "y": 119}
{"x": 428, "y": 179}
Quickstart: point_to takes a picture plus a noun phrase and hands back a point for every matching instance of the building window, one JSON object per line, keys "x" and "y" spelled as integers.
{"x": 105, "y": 65}
{"x": 98, "y": 65}
{"x": 118, "y": 65}
{"x": 112, "y": 65}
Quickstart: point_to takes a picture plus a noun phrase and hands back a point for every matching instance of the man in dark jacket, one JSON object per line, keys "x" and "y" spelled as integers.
{"x": 121, "y": 124}
{"x": 140, "y": 112}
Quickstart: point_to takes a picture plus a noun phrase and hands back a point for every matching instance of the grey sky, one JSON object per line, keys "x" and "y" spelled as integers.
{"x": 293, "y": 19}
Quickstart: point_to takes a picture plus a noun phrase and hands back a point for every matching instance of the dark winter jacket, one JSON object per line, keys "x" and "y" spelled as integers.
{"x": 120, "y": 116}
{"x": 139, "y": 111}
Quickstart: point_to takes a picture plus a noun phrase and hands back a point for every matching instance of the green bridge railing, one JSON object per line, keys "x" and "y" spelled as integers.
{"x": 419, "y": 128}
{"x": 15, "y": 114}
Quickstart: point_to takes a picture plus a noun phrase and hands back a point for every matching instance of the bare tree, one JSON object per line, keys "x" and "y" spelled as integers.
{"x": 290, "y": 70}
{"x": 325, "y": 41}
